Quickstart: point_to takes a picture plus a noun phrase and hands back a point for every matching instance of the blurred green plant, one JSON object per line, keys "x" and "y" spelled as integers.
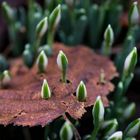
{"x": 32, "y": 33}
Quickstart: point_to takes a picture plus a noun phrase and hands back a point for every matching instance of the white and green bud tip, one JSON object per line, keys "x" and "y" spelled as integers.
{"x": 108, "y": 40}
{"x": 54, "y": 18}
{"x": 45, "y": 90}
{"x": 98, "y": 112}
{"x": 81, "y": 92}
{"x": 110, "y": 127}
{"x": 42, "y": 62}
{"x": 66, "y": 132}
{"x": 134, "y": 14}
{"x": 133, "y": 128}
{"x": 62, "y": 63}
{"x": 6, "y": 78}
{"x": 8, "y": 12}
{"x": 116, "y": 136}
{"x": 130, "y": 62}
{"x": 42, "y": 27}
{"x": 129, "y": 111}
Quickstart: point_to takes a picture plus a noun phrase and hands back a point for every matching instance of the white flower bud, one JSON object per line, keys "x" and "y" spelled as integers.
{"x": 8, "y": 11}
{"x": 130, "y": 62}
{"x": 133, "y": 128}
{"x": 42, "y": 62}
{"x": 45, "y": 90}
{"x": 66, "y": 132}
{"x": 42, "y": 27}
{"x": 134, "y": 14}
{"x": 81, "y": 92}
{"x": 129, "y": 111}
{"x": 109, "y": 35}
{"x": 116, "y": 136}
{"x": 98, "y": 112}
{"x": 55, "y": 17}
{"x": 6, "y": 78}
{"x": 62, "y": 63}
{"x": 108, "y": 40}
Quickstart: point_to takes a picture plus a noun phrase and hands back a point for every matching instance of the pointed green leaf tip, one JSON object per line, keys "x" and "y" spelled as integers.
{"x": 54, "y": 18}
{"x": 108, "y": 40}
{"x": 62, "y": 63}
{"x": 134, "y": 14}
{"x": 42, "y": 27}
{"x": 116, "y": 136}
{"x": 8, "y": 12}
{"x": 109, "y": 35}
{"x": 66, "y": 132}
{"x": 130, "y": 62}
{"x": 45, "y": 90}
{"x": 133, "y": 128}
{"x": 42, "y": 62}
{"x": 98, "y": 112}
{"x": 81, "y": 92}
{"x": 129, "y": 111}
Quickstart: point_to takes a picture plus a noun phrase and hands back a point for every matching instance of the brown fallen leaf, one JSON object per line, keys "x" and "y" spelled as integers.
{"x": 21, "y": 103}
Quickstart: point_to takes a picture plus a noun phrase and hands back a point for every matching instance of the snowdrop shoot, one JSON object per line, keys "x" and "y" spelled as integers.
{"x": 66, "y": 132}
{"x": 133, "y": 128}
{"x": 130, "y": 62}
{"x": 42, "y": 62}
{"x": 55, "y": 17}
{"x": 134, "y": 14}
{"x": 8, "y": 11}
{"x": 45, "y": 90}
{"x": 42, "y": 28}
{"x": 54, "y": 20}
{"x": 116, "y": 136}
{"x": 62, "y": 63}
{"x": 81, "y": 92}
{"x": 98, "y": 112}
{"x": 98, "y": 117}
{"x": 6, "y": 78}
{"x": 108, "y": 40}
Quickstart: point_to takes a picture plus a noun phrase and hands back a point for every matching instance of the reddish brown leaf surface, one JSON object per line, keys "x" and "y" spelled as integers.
{"x": 21, "y": 103}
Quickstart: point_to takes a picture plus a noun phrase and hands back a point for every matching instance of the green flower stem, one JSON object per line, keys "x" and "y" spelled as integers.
{"x": 94, "y": 133}
{"x": 36, "y": 45}
{"x": 50, "y": 38}
{"x": 64, "y": 80}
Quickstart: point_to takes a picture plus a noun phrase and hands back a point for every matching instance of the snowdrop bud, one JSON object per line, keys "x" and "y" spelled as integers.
{"x": 42, "y": 62}
{"x": 108, "y": 40}
{"x": 45, "y": 90}
{"x": 66, "y": 132}
{"x": 98, "y": 112}
{"x": 55, "y": 17}
{"x": 42, "y": 27}
{"x": 81, "y": 92}
{"x": 134, "y": 14}
{"x": 28, "y": 56}
{"x": 6, "y": 78}
{"x": 62, "y": 63}
{"x": 116, "y": 136}
{"x": 133, "y": 128}
{"x": 130, "y": 62}
{"x": 129, "y": 111}
{"x": 109, "y": 35}
{"x": 8, "y": 12}
{"x": 110, "y": 127}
